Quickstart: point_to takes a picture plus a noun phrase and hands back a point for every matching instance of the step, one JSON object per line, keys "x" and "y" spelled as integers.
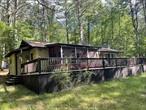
{"x": 13, "y": 80}
{"x": 9, "y": 83}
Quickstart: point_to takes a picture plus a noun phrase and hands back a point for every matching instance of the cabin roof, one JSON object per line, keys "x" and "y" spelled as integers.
{"x": 33, "y": 43}
{"x": 103, "y": 49}
{"x": 71, "y": 45}
{"x": 39, "y": 44}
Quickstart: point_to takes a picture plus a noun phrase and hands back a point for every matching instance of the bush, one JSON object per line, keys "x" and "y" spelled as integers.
{"x": 82, "y": 77}
{"x": 61, "y": 80}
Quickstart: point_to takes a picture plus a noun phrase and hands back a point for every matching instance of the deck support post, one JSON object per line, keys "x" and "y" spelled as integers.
{"x": 87, "y": 59}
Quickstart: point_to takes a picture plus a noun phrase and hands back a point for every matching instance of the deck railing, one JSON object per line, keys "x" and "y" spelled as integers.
{"x": 42, "y": 65}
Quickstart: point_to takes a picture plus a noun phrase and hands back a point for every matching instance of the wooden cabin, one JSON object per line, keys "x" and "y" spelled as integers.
{"x": 31, "y": 50}
{"x": 33, "y": 63}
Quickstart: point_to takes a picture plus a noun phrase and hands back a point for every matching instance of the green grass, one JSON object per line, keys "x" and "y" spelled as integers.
{"x": 123, "y": 94}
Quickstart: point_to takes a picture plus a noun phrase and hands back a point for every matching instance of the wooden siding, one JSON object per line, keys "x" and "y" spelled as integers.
{"x": 23, "y": 57}
{"x": 12, "y": 65}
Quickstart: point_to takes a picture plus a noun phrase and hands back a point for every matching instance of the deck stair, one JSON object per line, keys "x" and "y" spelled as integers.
{"x": 13, "y": 80}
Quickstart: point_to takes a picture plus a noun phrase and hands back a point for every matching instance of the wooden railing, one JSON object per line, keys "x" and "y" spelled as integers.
{"x": 41, "y": 65}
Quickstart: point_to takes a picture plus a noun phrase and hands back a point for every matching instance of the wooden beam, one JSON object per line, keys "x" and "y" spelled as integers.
{"x": 87, "y": 53}
{"x": 75, "y": 52}
{"x": 16, "y": 66}
{"x": 61, "y": 53}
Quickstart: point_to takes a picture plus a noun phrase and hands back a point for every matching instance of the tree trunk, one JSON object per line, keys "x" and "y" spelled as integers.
{"x": 144, "y": 9}
{"x": 67, "y": 33}
{"x": 88, "y": 25}
{"x": 134, "y": 17}
{"x": 112, "y": 27}
{"x": 66, "y": 22}
{"x": 80, "y": 24}
{"x": 7, "y": 19}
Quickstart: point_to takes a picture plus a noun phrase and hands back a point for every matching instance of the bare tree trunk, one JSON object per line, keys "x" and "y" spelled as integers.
{"x": 82, "y": 33}
{"x": 7, "y": 10}
{"x": 112, "y": 25}
{"x": 134, "y": 17}
{"x": 119, "y": 23}
{"x": 48, "y": 12}
{"x": 66, "y": 22}
{"x": 88, "y": 25}
{"x": 43, "y": 23}
{"x": 80, "y": 24}
{"x": 143, "y": 2}
{"x": 14, "y": 20}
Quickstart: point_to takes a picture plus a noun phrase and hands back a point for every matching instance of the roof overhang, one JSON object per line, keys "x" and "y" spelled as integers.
{"x": 71, "y": 45}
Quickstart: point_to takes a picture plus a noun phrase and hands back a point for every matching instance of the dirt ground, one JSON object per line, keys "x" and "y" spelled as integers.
{"x": 4, "y": 72}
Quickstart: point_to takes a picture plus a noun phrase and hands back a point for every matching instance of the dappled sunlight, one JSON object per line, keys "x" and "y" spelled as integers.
{"x": 129, "y": 94}
{"x": 58, "y": 100}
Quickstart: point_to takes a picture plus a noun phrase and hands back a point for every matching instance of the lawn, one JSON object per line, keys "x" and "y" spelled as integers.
{"x": 123, "y": 94}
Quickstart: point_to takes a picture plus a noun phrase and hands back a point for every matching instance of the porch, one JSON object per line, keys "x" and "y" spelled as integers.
{"x": 50, "y": 65}
{"x": 36, "y": 74}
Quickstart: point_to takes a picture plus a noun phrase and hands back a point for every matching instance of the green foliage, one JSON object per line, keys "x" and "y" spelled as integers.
{"x": 56, "y": 33}
{"x": 109, "y": 23}
{"x": 60, "y": 79}
{"x": 87, "y": 76}
{"x": 24, "y": 30}
{"x": 123, "y": 94}
{"x": 6, "y": 38}
{"x": 83, "y": 77}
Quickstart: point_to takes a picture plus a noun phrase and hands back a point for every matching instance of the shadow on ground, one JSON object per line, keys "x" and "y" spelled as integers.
{"x": 122, "y": 94}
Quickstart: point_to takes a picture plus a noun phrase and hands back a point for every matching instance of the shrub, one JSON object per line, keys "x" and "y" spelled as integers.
{"x": 61, "y": 80}
{"x": 87, "y": 76}
{"x": 82, "y": 77}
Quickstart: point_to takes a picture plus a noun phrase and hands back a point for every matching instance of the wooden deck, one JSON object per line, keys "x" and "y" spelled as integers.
{"x": 50, "y": 65}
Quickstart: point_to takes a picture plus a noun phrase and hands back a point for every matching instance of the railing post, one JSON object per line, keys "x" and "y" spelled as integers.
{"x": 103, "y": 63}
{"x": 87, "y": 64}
{"x": 127, "y": 62}
{"x": 116, "y": 62}
{"x": 39, "y": 66}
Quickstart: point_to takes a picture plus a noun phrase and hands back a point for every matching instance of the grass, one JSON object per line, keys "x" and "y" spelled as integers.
{"x": 122, "y": 94}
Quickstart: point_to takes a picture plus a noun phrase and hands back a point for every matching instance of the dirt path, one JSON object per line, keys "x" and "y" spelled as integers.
{"x": 4, "y": 72}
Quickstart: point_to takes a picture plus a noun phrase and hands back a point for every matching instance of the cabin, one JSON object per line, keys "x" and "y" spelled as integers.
{"x": 33, "y": 63}
{"x": 24, "y": 60}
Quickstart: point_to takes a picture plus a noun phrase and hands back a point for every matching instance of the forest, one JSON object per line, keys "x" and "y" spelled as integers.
{"x": 121, "y": 24}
